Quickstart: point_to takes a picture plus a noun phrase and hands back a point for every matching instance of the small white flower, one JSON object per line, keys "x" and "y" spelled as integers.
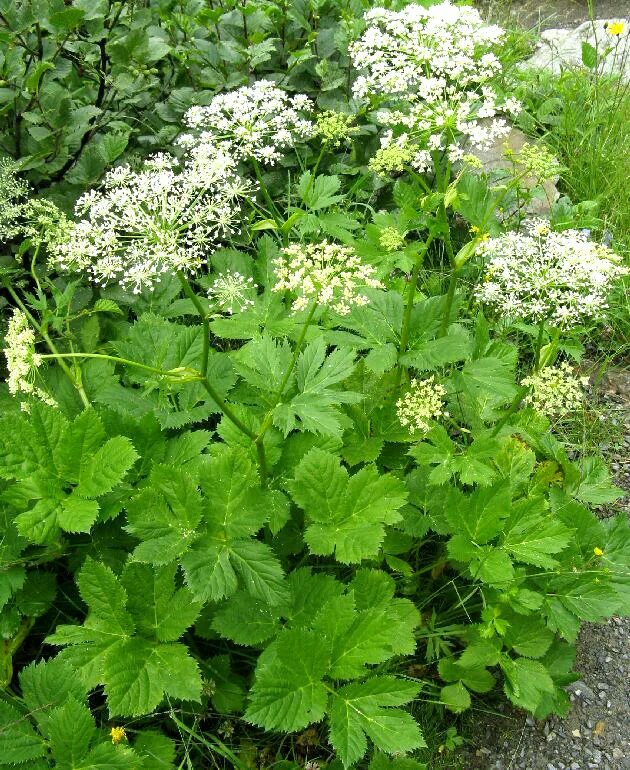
{"x": 13, "y": 194}
{"x": 165, "y": 218}
{"x": 541, "y": 274}
{"x": 232, "y": 292}
{"x": 326, "y": 273}
{"x": 258, "y": 121}
{"x": 438, "y": 67}
{"x": 423, "y": 402}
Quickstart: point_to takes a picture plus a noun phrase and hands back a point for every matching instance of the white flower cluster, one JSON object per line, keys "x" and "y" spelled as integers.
{"x": 555, "y": 391}
{"x": 164, "y": 218}
{"x": 232, "y": 292}
{"x": 438, "y": 66}
{"x": 326, "y": 273}
{"x": 541, "y": 274}
{"x": 13, "y": 192}
{"x": 22, "y": 360}
{"x": 258, "y": 121}
{"x": 424, "y": 401}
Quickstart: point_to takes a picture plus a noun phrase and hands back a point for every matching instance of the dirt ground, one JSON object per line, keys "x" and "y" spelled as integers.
{"x": 554, "y": 13}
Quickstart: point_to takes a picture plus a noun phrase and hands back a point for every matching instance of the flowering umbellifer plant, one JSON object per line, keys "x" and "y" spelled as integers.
{"x": 278, "y": 446}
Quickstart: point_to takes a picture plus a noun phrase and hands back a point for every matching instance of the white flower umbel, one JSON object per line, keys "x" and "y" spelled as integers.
{"x": 436, "y": 69}
{"x": 326, "y": 273}
{"x": 259, "y": 121}
{"x": 231, "y": 292}
{"x": 22, "y": 360}
{"x": 540, "y": 274}
{"x": 165, "y": 218}
{"x": 423, "y": 402}
{"x": 555, "y": 390}
{"x": 13, "y": 193}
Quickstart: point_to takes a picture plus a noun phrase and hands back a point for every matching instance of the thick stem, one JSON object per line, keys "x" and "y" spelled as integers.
{"x": 296, "y": 352}
{"x": 450, "y": 297}
{"x": 442, "y": 181}
{"x": 411, "y": 293}
{"x": 188, "y": 291}
{"x": 516, "y": 402}
{"x": 539, "y": 342}
{"x": 227, "y": 410}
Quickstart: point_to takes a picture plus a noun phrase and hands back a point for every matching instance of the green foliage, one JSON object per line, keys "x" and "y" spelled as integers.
{"x": 62, "y": 471}
{"x": 128, "y": 642}
{"x": 52, "y": 726}
{"x": 222, "y": 529}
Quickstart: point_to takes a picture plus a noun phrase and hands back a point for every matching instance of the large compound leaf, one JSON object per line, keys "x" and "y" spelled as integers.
{"x": 346, "y": 515}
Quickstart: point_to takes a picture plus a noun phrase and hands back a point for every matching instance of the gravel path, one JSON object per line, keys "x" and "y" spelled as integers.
{"x": 596, "y": 733}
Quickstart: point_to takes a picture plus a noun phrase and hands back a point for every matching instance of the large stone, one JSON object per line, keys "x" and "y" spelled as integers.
{"x": 562, "y": 48}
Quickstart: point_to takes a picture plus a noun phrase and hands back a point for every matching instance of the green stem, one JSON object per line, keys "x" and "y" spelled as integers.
{"x": 188, "y": 291}
{"x": 266, "y": 424}
{"x": 450, "y": 296}
{"x": 442, "y": 180}
{"x": 51, "y": 345}
{"x": 223, "y": 406}
{"x": 311, "y": 181}
{"x": 227, "y": 410}
{"x": 264, "y": 190}
{"x": 106, "y": 357}
{"x": 539, "y": 342}
{"x": 516, "y": 402}
{"x": 411, "y": 293}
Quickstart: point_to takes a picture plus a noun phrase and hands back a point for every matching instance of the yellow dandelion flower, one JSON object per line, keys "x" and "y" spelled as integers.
{"x": 118, "y": 734}
{"x": 598, "y": 551}
{"x": 616, "y": 28}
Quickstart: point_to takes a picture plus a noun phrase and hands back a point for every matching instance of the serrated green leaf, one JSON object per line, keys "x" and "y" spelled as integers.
{"x": 288, "y": 693}
{"x": 70, "y": 730}
{"x": 18, "y": 740}
{"x": 209, "y": 572}
{"x": 533, "y": 535}
{"x": 106, "y": 467}
{"x": 347, "y": 515}
{"x": 246, "y": 620}
{"x": 106, "y": 599}
{"x": 320, "y": 192}
{"x": 455, "y": 697}
{"x": 165, "y": 515}
{"x": 48, "y": 684}
{"x": 77, "y": 514}
{"x": 364, "y": 709}
{"x": 528, "y": 636}
{"x": 526, "y": 682}
{"x": 479, "y": 515}
{"x": 160, "y": 611}
{"x": 157, "y": 750}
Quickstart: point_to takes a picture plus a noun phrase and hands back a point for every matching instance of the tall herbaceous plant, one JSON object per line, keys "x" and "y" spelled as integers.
{"x": 280, "y": 446}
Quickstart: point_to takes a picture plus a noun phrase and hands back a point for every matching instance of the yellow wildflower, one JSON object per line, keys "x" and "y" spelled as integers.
{"x": 118, "y": 734}
{"x": 616, "y": 28}
{"x": 598, "y": 551}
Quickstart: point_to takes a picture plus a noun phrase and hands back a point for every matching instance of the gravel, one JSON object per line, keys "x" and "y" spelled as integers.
{"x": 595, "y": 734}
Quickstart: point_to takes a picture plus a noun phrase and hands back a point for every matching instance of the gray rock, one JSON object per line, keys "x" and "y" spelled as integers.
{"x": 562, "y": 48}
